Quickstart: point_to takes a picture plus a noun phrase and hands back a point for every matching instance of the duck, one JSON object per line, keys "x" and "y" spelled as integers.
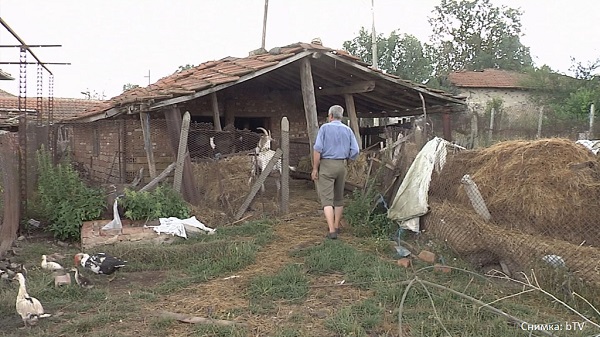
{"x": 81, "y": 280}
{"x": 50, "y": 265}
{"x": 29, "y": 308}
{"x": 101, "y": 263}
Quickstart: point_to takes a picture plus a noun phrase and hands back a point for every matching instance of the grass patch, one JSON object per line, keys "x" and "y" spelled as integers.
{"x": 219, "y": 331}
{"x": 356, "y": 320}
{"x": 290, "y": 284}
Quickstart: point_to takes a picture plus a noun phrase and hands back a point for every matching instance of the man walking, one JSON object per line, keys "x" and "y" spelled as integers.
{"x": 335, "y": 144}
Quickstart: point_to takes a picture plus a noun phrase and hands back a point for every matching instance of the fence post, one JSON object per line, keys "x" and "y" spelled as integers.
{"x": 11, "y": 182}
{"x": 285, "y": 166}
{"x": 591, "y": 131}
{"x": 185, "y": 128}
{"x": 540, "y": 120}
{"x": 491, "y": 131}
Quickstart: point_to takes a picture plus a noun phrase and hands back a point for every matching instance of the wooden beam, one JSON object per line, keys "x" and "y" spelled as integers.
{"x": 285, "y": 166}
{"x": 216, "y": 88}
{"x": 174, "y": 122}
{"x": 353, "y": 119}
{"x": 397, "y": 81}
{"x": 145, "y": 121}
{"x": 310, "y": 106}
{"x": 365, "y": 86}
{"x": 159, "y": 178}
{"x": 310, "y": 102}
{"x": 258, "y": 183}
{"x": 215, "y": 109}
{"x": 182, "y": 151}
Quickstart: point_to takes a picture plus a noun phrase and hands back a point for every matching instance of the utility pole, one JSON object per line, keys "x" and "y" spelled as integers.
{"x": 264, "y": 32}
{"x": 374, "y": 37}
{"x": 148, "y": 77}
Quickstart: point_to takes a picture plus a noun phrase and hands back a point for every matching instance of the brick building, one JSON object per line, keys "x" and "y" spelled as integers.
{"x": 299, "y": 81}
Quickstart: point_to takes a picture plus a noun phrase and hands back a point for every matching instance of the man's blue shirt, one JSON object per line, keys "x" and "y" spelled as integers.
{"x": 336, "y": 140}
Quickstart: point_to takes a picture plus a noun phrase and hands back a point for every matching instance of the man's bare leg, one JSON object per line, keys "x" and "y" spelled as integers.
{"x": 330, "y": 216}
{"x": 339, "y": 210}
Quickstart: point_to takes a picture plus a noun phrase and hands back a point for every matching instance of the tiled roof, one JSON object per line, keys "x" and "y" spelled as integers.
{"x": 487, "y": 78}
{"x": 6, "y": 94}
{"x": 210, "y": 74}
{"x": 64, "y": 108}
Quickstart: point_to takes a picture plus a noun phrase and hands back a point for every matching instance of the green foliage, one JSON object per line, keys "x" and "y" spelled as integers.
{"x": 401, "y": 55}
{"x": 162, "y": 202}
{"x": 129, "y": 86}
{"x": 475, "y": 34}
{"x": 364, "y": 217}
{"x": 64, "y": 198}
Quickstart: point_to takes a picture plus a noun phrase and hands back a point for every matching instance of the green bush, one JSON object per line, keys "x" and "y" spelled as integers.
{"x": 65, "y": 200}
{"x": 162, "y": 202}
{"x": 366, "y": 219}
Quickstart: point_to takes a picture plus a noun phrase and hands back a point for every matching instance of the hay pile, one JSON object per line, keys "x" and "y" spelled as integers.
{"x": 546, "y": 187}
{"x": 224, "y": 183}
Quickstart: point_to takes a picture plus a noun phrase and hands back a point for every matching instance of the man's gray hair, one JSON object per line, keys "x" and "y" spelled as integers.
{"x": 336, "y": 111}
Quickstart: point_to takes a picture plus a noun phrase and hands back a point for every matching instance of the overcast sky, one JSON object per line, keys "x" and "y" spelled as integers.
{"x": 113, "y": 42}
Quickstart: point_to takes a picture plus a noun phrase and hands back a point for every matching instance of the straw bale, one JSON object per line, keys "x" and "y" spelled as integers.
{"x": 541, "y": 187}
{"x": 484, "y": 244}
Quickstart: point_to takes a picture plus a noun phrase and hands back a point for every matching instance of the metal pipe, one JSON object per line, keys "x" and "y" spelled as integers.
{"x": 24, "y": 45}
{"x": 42, "y": 63}
{"x": 29, "y": 45}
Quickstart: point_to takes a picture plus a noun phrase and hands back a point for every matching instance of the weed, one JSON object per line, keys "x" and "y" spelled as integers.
{"x": 290, "y": 283}
{"x": 65, "y": 198}
{"x": 162, "y": 202}
{"x": 363, "y": 215}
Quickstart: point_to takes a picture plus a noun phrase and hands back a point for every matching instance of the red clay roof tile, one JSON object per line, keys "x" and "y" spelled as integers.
{"x": 488, "y": 78}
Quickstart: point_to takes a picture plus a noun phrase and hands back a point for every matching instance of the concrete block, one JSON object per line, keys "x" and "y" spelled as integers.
{"x": 442, "y": 268}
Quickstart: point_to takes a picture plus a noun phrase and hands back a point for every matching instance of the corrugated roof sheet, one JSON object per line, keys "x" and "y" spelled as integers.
{"x": 487, "y": 78}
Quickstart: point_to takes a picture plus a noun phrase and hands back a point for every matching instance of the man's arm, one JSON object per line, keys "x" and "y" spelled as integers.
{"x": 316, "y": 161}
{"x": 354, "y": 151}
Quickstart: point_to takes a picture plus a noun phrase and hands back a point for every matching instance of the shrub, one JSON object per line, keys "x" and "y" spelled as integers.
{"x": 162, "y": 202}
{"x": 64, "y": 198}
{"x": 364, "y": 217}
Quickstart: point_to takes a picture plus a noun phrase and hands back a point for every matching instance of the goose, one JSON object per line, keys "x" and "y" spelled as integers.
{"x": 29, "y": 308}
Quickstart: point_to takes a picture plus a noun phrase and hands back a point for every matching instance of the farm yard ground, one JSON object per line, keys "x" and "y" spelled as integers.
{"x": 279, "y": 277}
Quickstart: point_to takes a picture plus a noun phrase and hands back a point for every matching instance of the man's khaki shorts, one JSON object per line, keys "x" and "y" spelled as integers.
{"x": 332, "y": 178}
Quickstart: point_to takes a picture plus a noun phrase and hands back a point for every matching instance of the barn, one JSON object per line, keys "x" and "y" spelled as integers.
{"x": 230, "y": 98}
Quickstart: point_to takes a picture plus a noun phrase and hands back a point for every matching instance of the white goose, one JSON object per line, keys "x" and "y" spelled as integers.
{"x": 28, "y": 307}
{"x": 52, "y": 266}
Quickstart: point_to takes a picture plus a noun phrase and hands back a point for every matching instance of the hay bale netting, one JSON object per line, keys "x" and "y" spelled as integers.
{"x": 224, "y": 183}
{"x": 544, "y": 187}
{"x": 483, "y": 244}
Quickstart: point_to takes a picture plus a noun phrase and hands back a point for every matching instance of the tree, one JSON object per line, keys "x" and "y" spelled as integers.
{"x": 474, "y": 34}
{"x": 129, "y": 86}
{"x": 400, "y": 55}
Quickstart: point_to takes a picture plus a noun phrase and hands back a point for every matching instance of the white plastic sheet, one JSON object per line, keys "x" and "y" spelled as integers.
{"x": 410, "y": 201}
{"x": 592, "y": 145}
{"x": 176, "y": 226}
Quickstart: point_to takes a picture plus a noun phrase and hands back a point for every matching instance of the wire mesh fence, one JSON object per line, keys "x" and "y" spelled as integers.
{"x": 520, "y": 204}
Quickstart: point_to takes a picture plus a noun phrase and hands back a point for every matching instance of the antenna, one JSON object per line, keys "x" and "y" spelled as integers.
{"x": 264, "y": 33}
{"x": 148, "y": 76}
{"x": 374, "y": 37}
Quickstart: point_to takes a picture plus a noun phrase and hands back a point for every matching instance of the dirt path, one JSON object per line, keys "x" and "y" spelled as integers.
{"x": 303, "y": 227}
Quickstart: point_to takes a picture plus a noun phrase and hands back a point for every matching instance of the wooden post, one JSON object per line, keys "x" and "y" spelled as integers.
{"x": 182, "y": 151}
{"x": 258, "y": 183}
{"x": 353, "y": 119}
{"x": 491, "y": 131}
{"x": 216, "y": 115}
{"x": 447, "y": 125}
{"x": 285, "y": 166}
{"x": 540, "y": 120}
{"x": 145, "y": 121}
{"x": 9, "y": 149}
{"x": 159, "y": 178}
{"x": 592, "y": 113}
{"x": 310, "y": 106}
{"x": 174, "y": 121}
